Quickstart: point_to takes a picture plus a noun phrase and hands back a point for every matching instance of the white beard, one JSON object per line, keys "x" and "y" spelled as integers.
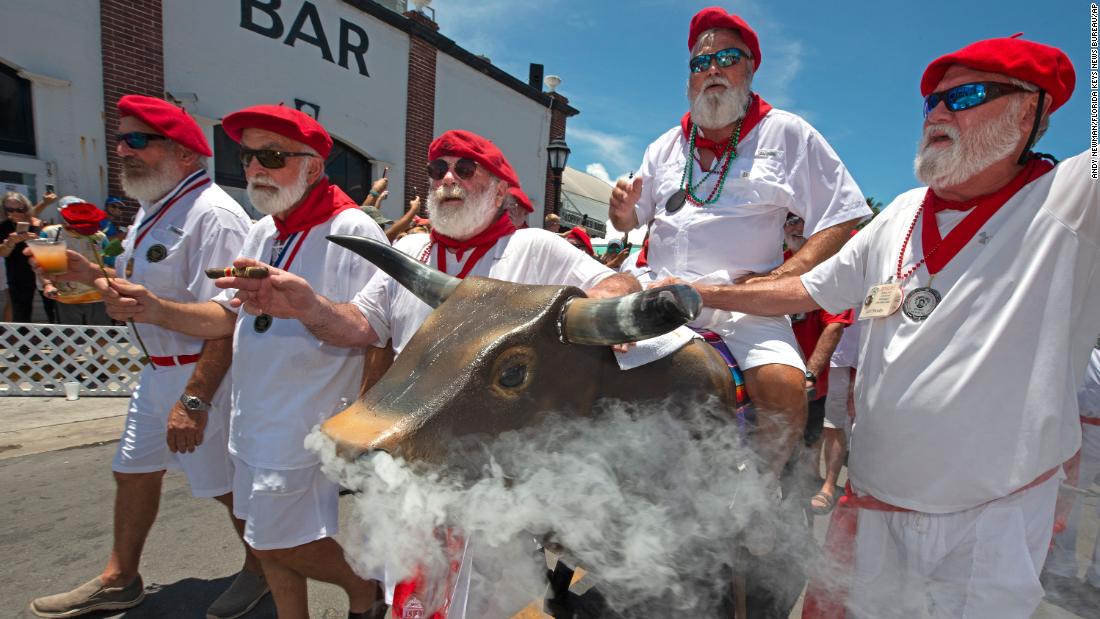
{"x": 149, "y": 184}
{"x": 272, "y": 199}
{"x": 718, "y": 109}
{"x": 475, "y": 214}
{"x": 967, "y": 155}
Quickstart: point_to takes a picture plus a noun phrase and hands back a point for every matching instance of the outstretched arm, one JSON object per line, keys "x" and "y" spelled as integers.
{"x": 764, "y": 297}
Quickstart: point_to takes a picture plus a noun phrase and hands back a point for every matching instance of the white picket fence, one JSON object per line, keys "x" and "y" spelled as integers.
{"x": 37, "y": 359}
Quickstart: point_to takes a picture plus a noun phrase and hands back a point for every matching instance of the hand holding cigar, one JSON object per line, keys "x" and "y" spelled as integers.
{"x": 245, "y": 272}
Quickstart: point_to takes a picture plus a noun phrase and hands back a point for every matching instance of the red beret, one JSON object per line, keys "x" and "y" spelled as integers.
{"x": 459, "y": 143}
{"x": 717, "y": 17}
{"x": 1046, "y": 67}
{"x": 170, "y": 120}
{"x": 582, "y": 236}
{"x": 285, "y": 121}
{"x": 522, "y": 199}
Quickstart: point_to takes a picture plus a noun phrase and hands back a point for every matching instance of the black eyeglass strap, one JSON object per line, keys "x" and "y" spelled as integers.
{"x": 1034, "y": 129}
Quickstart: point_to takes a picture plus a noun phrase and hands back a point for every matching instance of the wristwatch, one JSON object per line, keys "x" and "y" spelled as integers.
{"x": 810, "y": 378}
{"x": 194, "y": 403}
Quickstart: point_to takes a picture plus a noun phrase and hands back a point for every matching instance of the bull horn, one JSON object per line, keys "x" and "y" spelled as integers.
{"x": 631, "y": 318}
{"x": 429, "y": 285}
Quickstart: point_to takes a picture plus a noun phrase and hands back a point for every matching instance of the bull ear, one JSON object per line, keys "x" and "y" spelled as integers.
{"x": 634, "y": 317}
{"x": 429, "y": 285}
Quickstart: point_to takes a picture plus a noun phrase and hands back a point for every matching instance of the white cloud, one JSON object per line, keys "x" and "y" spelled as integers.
{"x": 617, "y": 150}
{"x": 600, "y": 172}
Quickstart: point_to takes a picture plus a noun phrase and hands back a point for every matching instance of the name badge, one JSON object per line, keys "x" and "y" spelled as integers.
{"x": 881, "y": 301}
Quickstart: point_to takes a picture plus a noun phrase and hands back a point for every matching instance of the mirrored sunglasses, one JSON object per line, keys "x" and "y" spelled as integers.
{"x": 270, "y": 159}
{"x": 464, "y": 168}
{"x": 138, "y": 140}
{"x": 725, "y": 58}
{"x": 966, "y": 96}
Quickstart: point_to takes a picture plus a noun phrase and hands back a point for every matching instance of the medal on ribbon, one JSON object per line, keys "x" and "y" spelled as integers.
{"x": 262, "y": 323}
{"x": 920, "y": 303}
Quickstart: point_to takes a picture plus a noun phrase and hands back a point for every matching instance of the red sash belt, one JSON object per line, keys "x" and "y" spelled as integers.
{"x": 177, "y": 360}
{"x": 1092, "y": 421}
{"x": 826, "y": 598}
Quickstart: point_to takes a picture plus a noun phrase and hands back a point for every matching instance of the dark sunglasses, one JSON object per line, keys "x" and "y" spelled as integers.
{"x": 966, "y": 96}
{"x": 724, "y": 58}
{"x": 20, "y": 209}
{"x": 792, "y": 220}
{"x": 464, "y": 169}
{"x": 270, "y": 159}
{"x": 138, "y": 140}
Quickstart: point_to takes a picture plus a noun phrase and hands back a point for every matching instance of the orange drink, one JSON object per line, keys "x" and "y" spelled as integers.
{"x": 50, "y": 255}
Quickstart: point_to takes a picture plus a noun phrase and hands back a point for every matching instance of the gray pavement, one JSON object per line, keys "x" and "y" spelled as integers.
{"x": 56, "y": 532}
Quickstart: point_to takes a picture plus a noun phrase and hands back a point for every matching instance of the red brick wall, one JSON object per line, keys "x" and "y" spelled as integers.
{"x": 133, "y": 63}
{"x": 420, "y": 112}
{"x": 557, "y": 132}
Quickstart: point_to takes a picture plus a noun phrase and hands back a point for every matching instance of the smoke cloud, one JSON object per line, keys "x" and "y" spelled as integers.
{"x": 651, "y": 500}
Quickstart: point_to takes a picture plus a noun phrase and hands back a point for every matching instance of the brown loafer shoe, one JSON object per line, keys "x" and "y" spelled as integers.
{"x": 243, "y": 594}
{"x": 90, "y": 597}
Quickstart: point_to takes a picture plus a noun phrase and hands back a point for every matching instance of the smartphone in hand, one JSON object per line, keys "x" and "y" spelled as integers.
{"x": 22, "y": 227}
{"x": 49, "y": 187}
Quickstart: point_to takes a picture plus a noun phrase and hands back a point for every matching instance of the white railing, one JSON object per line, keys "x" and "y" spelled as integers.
{"x": 37, "y": 359}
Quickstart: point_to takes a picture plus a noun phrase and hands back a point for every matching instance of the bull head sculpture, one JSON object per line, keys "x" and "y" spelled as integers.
{"x": 495, "y": 356}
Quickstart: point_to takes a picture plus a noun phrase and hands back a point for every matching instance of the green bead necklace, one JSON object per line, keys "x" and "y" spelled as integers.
{"x": 687, "y": 179}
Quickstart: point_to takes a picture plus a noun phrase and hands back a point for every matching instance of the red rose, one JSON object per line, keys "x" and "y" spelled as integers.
{"x": 83, "y": 218}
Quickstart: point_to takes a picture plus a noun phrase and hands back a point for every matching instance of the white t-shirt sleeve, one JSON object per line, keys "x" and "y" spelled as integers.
{"x": 561, "y": 263}
{"x": 1078, "y": 203}
{"x": 824, "y": 192}
{"x": 374, "y": 302}
{"x": 223, "y": 236}
{"x": 839, "y": 283}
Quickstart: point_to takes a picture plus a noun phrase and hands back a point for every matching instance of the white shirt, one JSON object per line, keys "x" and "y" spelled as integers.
{"x": 204, "y": 228}
{"x": 846, "y": 354}
{"x": 1088, "y": 398}
{"x": 979, "y": 399}
{"x": 528, "y": 256}
{"x": 783, "y": 166}
{"x": 285, "y": 380}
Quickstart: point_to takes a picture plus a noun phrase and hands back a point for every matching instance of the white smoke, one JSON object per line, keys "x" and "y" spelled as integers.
{"x": 651, "y": 501}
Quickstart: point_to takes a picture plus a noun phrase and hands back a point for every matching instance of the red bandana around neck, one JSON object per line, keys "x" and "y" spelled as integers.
{"x": 480, "y": 243}
{"x": 758, "y": 109}
{"x": 321, "y": 204}
{"x": 984, "y": 208}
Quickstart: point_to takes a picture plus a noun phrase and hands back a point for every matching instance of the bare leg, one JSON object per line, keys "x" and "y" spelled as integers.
{"x": 779, "y": 396}
{"x": 137, "y": 499}
{"x": 251, "y": 563}
{"x": 320, "y": 560}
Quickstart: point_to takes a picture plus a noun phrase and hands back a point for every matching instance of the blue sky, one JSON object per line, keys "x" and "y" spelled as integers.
{"x": 852, "y": 69}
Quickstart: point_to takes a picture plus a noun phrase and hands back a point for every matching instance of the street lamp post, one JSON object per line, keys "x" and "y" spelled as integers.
{"x": 558, "y": 154}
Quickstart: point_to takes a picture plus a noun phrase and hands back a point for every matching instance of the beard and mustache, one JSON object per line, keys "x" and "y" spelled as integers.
{"x": 271, "y": 198}
{"x": 477, "y": 211}
{"x": 712, "y": 110}
{"x": 969, "y": 153}
{"x": 149, "y": 183}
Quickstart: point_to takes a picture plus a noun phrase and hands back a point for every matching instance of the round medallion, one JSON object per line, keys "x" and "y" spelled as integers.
{"x": 262, "y": 323}
{"x": 129, "y": 268}
{"x": 676, "y": 201}
{"x": 919, "y": 304}
{"x": 156, "y": 253}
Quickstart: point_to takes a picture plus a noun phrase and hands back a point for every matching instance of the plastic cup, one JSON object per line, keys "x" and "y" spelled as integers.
{"x": 72, "y": 390}
{"x": 50, "y": 255}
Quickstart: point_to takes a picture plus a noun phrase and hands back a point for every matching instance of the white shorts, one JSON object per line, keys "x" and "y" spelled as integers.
{"x": 836, "y": 400}
{"x": 143, "y": 447}
{"x": 980, "y": 562}
{"x": 284, "y": 508}
{"x": 754, "y": 340}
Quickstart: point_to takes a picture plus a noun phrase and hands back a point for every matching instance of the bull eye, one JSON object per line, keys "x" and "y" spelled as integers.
{"x": 513, "y": 376}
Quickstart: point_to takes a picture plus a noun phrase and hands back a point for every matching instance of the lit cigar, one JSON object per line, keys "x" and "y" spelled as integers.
{"x": 246, "y": 272}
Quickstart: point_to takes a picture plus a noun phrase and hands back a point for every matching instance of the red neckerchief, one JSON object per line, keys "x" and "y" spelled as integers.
{"x": 758, "y": 109}
{"x": 643, "y": 260}
{"x": 321, "y": 204}
{"x": 481, "y": 244}
{"x": 984, "y": 208}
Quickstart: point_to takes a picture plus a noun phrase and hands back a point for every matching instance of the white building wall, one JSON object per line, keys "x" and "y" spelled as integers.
{"x": 57, "y": 46}
{"x": 216, "y": 67}
{"x": 520, "y": 127}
